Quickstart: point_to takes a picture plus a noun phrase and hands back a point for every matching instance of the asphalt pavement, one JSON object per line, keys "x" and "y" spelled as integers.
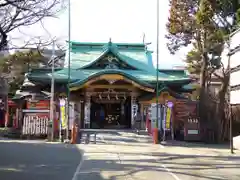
{"x": 116, "y": 156}
{"x": 37, "y": 160}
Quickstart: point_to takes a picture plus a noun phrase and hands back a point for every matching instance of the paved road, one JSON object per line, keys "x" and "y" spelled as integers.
{"x": 36, "y": 160}
{"x": 121, "y": 156}
{"x": 116, "y": 156}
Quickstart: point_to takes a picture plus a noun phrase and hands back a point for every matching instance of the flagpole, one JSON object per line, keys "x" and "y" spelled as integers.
{"x": 157, "y": 73}
{"x": 69, "y": 68}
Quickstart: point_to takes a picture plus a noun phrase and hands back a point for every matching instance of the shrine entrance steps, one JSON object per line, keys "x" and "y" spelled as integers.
{"x": 111, "y": 136}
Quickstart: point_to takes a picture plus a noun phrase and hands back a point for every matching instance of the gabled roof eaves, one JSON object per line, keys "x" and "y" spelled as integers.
{"x": 85, "y": 54}
{"x": 61, "y": 75}
{"x": 25, "y": 94}
{"x": 104, "y": 53}
{"x": 113, "y": 71}
{"x": 163, "y": 88}
{"x": 100, "y": 45}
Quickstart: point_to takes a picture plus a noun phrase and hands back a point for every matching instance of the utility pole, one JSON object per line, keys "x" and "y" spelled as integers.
{"x": 230, "y": 107}
{"x": 69, "y": 61}
{"x": 230, "y": 131}
{"x": 229, "y": 98}
{"x": 52, "y": 92}
{"x": 157, "y": 73}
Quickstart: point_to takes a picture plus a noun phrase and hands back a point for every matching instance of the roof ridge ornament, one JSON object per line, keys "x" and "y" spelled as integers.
{"x": 110, "y": 42}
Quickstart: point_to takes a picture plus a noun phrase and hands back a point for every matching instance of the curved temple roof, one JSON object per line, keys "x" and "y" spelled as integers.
{"x": 85, "y": 55}
{"x": 79, "y": 75}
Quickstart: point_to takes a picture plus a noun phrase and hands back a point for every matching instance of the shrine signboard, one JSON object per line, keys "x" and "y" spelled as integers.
{"x": 42, "y": 104}
{"x": 36, "y": 118}
{"x": 35, "y": 124}
{"x": 186, "y": 111}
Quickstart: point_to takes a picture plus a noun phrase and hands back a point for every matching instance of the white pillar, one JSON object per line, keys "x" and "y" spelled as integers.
{"x": 87, "y": 108}
{"x": 134, "y": 108}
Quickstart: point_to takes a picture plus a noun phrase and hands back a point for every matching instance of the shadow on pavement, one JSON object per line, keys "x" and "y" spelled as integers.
{"x": 174, "y": 143}
{"x": 38, "y": 161}
{"x": 186, "y": 167}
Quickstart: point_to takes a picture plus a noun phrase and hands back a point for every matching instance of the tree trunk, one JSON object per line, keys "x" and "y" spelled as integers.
{"x": 203, "y": 81}
{"x": 202, "y": 96}
{"x": 3, "y": 98}
{"x": 3, "y": 39}
{"x": 221, "y": 109}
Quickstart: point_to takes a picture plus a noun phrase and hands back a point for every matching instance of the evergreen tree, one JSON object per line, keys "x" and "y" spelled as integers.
{"x": 15, "y": 66}
{"x": 203, "y": 24}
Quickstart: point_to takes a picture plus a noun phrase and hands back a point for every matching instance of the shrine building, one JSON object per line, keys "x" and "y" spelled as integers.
{"x": 117, "y": 79}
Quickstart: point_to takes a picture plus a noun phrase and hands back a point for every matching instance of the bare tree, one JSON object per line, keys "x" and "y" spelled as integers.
{"x": 19, "y": 13}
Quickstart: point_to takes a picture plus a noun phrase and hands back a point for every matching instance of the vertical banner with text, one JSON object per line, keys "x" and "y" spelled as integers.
{"x": 63, "y": 114}
{"x": 168, "y": 119}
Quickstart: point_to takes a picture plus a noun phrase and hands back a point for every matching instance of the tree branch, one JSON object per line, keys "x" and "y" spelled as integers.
{"x": 20, "y": 13}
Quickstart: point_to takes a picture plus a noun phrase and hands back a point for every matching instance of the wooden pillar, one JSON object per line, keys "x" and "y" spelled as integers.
{"x": 122, "y": 111}
{"x": 87, "y": 107}
{"x": 78, "y": 113}
{"x": 133, "y": 108}
{"x": 142, "y": 114}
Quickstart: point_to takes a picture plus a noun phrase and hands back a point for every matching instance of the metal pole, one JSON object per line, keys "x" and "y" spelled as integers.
{"x": 230, "y": 132}
{"x": 229, "y": 98}
{"x": 52, "y": 92}
{"x": 157, "y": 73}
{"x": 69, "y": 60}
{"x": 229, "y": 101}
{"x": 230, "y": 114}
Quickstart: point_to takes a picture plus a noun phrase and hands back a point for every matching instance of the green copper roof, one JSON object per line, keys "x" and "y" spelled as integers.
{"x": 85, "y": 54}
{"x": 127, "y": 74}
{"x": 83, "y": 74}
{"x": 161, "y": 90}
{"x": 189, "y": 87}
{"x": 174, "y": 72}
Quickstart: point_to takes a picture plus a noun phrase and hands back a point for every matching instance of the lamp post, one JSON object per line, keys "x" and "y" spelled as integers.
{"x": 69, "y": 61}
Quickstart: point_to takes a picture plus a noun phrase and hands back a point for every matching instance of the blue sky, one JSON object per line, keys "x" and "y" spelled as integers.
{"x": 120, "y": 20}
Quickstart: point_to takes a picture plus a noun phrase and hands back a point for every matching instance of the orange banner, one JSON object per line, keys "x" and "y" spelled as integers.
{"x": 42, "y": 104}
